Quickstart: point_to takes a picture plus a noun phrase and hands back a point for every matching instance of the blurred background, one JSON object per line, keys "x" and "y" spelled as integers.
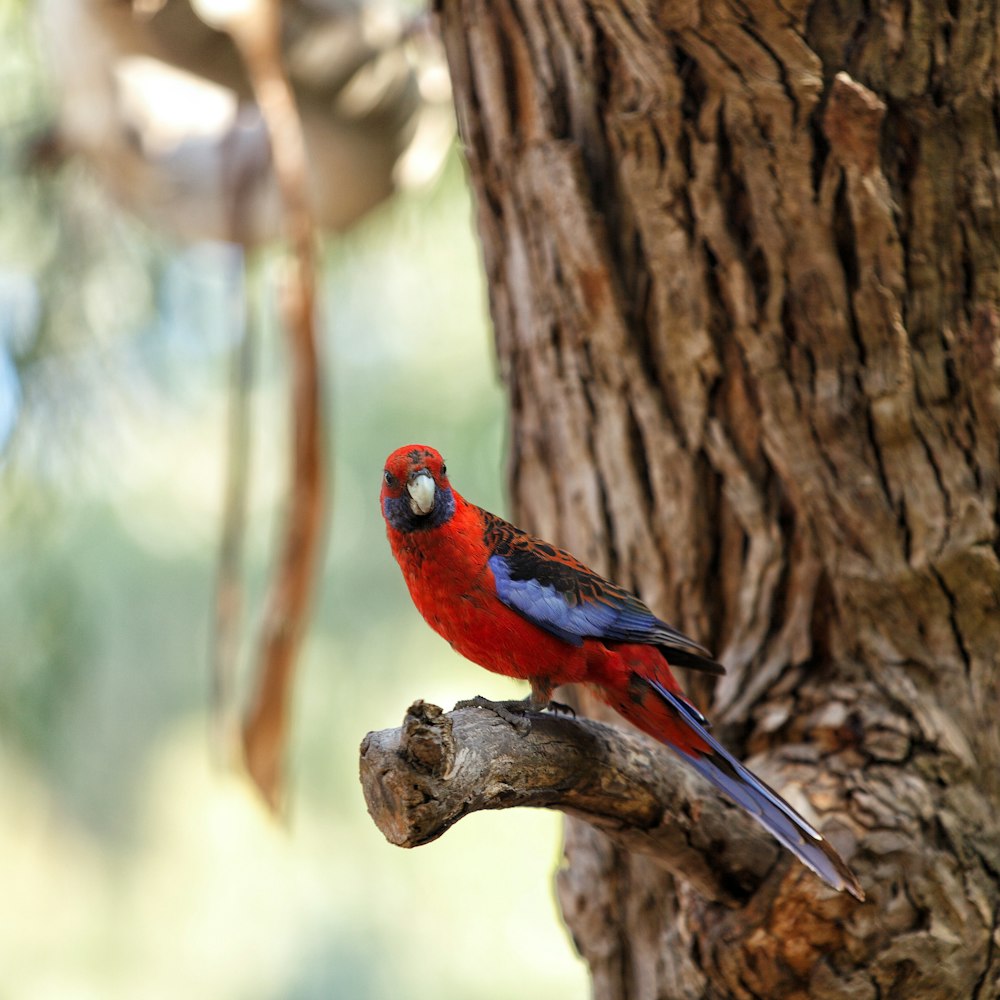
{"x": 132, "y": 863}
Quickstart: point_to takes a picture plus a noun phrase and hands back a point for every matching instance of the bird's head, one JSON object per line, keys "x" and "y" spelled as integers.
{"x": 416, "y": 494}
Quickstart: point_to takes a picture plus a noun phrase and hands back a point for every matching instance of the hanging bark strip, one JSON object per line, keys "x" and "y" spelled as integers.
{"x": 257, "y": 35}
{"x": 224, "y": 643}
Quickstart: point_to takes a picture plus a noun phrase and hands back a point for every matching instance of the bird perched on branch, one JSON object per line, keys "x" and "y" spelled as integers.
{"x": 521, "y": 607}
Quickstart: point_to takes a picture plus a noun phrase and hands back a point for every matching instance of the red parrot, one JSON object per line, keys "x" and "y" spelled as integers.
{"x": 519, "y": 606}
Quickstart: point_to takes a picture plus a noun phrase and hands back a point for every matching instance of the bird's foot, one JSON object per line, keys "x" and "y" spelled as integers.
{"x": 513, "y": 712}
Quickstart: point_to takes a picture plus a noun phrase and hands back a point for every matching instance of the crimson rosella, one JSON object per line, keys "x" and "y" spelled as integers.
{"x": 521, "y": 607}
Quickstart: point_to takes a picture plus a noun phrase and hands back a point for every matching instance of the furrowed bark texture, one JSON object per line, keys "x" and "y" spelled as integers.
{"x": 744, "y": 261}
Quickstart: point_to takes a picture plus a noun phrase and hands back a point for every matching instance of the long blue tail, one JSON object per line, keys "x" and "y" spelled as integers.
{"x": 716, "y": 764}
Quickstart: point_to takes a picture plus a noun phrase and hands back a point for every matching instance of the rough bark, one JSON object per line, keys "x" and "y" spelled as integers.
{"x": 744, "y": 270}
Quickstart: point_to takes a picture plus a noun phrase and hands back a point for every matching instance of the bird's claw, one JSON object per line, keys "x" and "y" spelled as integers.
{"x": 514, "y": 713}
{"x": 558, "y": 708}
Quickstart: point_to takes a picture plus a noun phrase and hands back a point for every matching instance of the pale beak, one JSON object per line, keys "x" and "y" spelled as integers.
{"x": 421, "y": 490}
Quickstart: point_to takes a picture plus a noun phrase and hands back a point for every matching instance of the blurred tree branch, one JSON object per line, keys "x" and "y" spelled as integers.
{"x": 157, "y": 100}
{"x": 256, "y": 30}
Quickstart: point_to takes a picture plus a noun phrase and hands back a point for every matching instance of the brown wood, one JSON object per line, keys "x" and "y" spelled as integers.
{"x": 744, "y": 270}
{"x": 439, "y": 767}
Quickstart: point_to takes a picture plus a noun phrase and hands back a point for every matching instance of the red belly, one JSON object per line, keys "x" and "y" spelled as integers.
{"x": 489, "y": 633}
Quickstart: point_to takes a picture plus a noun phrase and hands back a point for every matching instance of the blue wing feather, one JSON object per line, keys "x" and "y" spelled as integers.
{"x": 544, "y": 605}
{"x": 539, "y": 603}
{"x": 559, "y": 594}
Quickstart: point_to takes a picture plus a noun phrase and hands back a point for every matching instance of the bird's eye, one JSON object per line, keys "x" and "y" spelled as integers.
{"x": 390, "y": 480}
{"x": 444, "y": 469}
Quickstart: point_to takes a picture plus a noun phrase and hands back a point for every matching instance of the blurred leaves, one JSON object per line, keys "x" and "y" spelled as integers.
{"x": 46, "y": 633}
{"x": 129, "y": 868}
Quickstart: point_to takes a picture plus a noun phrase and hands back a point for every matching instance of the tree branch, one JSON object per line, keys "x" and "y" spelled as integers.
{"x": 421, "y": 779}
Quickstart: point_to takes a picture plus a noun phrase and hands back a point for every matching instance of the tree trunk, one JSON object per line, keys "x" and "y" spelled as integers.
{"x": 744, "y": 267}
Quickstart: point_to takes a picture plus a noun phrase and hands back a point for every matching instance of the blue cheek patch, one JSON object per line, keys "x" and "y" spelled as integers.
{"x": 397, "y": 512}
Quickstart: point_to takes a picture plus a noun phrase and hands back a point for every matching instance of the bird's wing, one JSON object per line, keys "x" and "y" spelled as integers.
{"x": 556, "y": 592}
